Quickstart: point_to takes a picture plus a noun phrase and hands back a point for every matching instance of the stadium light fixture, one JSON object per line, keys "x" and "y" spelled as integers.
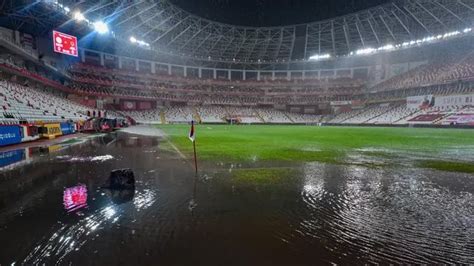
{"x": 387, "y": 47}
{"x": 138, "y": 42}
{"x": 365, "y": 51}
{"x": 78, "y": 16}
{"x": 320, "y": 57}
{"x": 101, "y": 27}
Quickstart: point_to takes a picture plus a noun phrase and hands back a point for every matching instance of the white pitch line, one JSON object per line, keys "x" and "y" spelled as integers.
{"x": 176, "y": 149}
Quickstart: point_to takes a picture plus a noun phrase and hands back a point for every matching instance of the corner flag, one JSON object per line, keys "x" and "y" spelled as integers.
{"x": 191, "y": 132}
{"x": 192, "y": 137}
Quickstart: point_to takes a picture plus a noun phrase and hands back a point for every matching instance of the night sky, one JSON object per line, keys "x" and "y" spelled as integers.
{"x": 273, "y": 12}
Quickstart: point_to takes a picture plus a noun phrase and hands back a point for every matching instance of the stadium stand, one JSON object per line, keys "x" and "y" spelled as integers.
{"x": 146, "y": 117}
{"x": 274, "y": 116}
{"x": 393, "y": 116}
{"x": 22, "y": 103}
{"x": 179, "y": 99}
{"x": 212, "y": 114}
{"x": 441, "y": 71}
{"x": 179, "y": 114}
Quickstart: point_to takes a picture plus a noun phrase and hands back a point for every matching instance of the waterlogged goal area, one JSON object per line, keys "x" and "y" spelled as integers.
{"x": 291, "y": 195}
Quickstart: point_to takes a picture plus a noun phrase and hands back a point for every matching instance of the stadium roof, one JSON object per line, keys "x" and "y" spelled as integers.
{"x": 273, "y": 12}
{"x": 167, "y": 27}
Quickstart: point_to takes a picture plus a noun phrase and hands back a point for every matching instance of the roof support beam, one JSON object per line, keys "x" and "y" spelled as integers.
{"x": 388, "y": 28}
{"x": 144, "y": 22}
{"x": 97, "y": 7}
{"x": 263, "y": 52}
{"x": 179, "y": 35}
{"x": 401, "y": 23}
{"x": 250, "y": 52}
{"x": 170, "y": 29}
{"x": 319, "y": 38}
{"x": 121, "y": 11}
{"x": 305, "y": 42}
{"x": 227, "y": 47}
{"x": 417, "y": 20}
{"x": 292, "y": 45}
{"x": 450, "y": 12}
{"x": 194, "y": 36}
{"x": 213, "y": 46}
{"x": 279, "y": 44}
{"x": 333, "y": 38}
{"x": 431, "y": 14}
{"x": 135, "y": 15}
{"x": 158, "y": 26}
{"x": 372, "y": 27}
{"x": 202, "y": 42}
{"x": 466, "y": 5}
{"x": 345, "y": 28}
{"x": 240, "y": 46}
{"x": 358, "y": 30}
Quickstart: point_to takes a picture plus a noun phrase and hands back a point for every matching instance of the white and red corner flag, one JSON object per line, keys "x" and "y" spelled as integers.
{"x": 191, "y": 132}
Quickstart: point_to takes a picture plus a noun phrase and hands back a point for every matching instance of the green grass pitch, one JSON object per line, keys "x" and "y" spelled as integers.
{"x": 441, "y": 149}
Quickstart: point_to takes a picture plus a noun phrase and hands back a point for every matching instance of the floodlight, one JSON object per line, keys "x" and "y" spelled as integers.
{"x": 320, "y": 57}
{"x": 101, "y": 27}
{"x": 79, "y": 16}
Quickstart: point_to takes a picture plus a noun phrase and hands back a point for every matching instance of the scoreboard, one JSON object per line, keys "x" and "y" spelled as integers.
{"x": 64, "y": 43}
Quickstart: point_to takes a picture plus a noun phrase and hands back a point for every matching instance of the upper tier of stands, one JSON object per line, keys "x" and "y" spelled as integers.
{"x": 88, "y": 73}
{"x": 101, "y": 81}
{"x": 441, "y": 71}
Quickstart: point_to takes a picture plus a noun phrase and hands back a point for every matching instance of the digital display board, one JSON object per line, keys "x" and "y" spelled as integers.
{"x": 64, "y": 43}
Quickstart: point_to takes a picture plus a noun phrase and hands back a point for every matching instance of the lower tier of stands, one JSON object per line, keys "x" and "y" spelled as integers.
{"x": 220, "y": 114}
{"x": 377, "y": 114}
{"x": 400, "y": 114}
{"x": 23, "y": 103}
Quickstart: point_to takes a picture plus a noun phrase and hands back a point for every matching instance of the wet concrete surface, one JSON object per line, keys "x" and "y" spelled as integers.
{"x": 54, "y": 210}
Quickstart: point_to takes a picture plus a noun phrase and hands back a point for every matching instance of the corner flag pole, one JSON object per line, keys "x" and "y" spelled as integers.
{"x": 192, "y": 137}
{"x": 195, "y": 157}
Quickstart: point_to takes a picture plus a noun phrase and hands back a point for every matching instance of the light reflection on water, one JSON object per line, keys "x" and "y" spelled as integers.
{"x": 75, "y": 198}
{"x": 71, "y": 237}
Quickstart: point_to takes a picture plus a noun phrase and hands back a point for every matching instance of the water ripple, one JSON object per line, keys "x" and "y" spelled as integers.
{"x": 71, "y": 237}
{"x": 406, "y": 220}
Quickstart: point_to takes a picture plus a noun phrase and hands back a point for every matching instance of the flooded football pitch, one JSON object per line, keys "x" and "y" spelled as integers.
{"x": 54, "y": 209}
